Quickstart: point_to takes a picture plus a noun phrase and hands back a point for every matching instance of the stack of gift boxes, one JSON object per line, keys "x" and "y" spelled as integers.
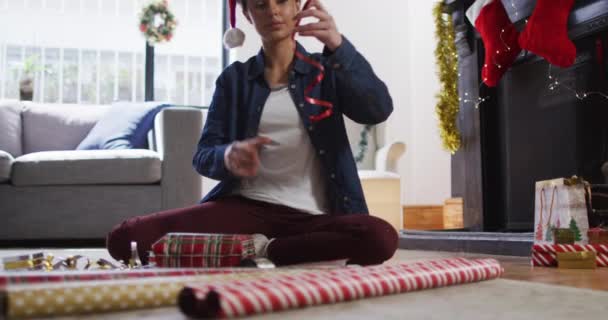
{"x": 569, "y": 219}
{"x": 567, "y": 253}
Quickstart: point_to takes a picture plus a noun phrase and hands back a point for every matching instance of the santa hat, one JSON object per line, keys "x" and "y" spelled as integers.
{"x": 234, "y": 37}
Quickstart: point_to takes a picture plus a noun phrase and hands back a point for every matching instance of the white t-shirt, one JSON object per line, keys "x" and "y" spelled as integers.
{"x": 290, "y": 172}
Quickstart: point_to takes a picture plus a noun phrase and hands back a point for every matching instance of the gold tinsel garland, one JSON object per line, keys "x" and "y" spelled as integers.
{"x": 446, "y": 56}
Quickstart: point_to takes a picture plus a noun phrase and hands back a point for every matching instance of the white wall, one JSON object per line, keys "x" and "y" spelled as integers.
{"x": 398, "y": 40}
{"x": 428, "y": 174}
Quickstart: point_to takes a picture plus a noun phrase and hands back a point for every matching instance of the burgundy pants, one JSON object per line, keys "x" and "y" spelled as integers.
{"x": 300, "y": 237}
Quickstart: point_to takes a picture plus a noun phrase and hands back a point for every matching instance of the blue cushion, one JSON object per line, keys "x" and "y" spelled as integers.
{"x": 124, "y": 126}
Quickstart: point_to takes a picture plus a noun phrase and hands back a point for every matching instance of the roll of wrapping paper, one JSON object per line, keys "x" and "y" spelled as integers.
{"x": 83, "y": 297}
{"x": 40, "y": 277}
{"x": 271, "y": 293}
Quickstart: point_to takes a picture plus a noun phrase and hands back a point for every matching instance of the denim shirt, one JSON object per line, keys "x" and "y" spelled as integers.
{"x": 241, "y": 93}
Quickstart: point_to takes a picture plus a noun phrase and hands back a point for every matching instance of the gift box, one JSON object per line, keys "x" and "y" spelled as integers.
{"x": 276, "y": 292}
{"x": 545, "y": 255}
{"x": 598, "y": 236}
{"x": 576, "y": 260}
{"x": 194, "y": 250}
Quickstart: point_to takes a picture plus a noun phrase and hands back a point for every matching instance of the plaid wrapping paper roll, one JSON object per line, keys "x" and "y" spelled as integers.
{"x": 196, "y": 250}
{"x": 281, "y": 292}
{"x": 545, "y": 255}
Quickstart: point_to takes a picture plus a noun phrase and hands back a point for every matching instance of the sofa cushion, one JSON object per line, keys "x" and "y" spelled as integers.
{"x": 6, "y": 162}
{"x": 362, "y": 139}
{"x": 50, "y": 127}
{"x": 124, "y": 126}
{"x": 10, "y": 127}
{"x": 92, "y": 167}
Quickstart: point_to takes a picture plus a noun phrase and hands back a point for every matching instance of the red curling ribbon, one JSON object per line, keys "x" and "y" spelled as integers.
{"x": 306, "y": 5}
{"x": 328, "y": 112}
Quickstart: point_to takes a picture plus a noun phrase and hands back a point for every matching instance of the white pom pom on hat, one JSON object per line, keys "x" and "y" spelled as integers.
{"x": 234, "y": 37}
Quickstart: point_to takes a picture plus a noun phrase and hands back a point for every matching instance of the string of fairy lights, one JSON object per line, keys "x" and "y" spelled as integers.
{"x": 554, "y": 81}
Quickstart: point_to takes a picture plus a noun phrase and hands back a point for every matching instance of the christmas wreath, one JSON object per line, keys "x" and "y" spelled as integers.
{"x": 156, "y": 22}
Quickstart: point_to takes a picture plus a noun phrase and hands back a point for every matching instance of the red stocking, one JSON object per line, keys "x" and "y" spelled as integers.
{"x": 499, "y": 38}
{"x": 546, "y": 33}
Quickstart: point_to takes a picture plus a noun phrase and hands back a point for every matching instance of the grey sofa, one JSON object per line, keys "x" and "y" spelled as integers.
{"x": 49, "y": 190}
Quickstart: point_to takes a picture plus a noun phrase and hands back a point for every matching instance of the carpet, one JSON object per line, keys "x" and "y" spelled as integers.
{"x": 496, "y": 300}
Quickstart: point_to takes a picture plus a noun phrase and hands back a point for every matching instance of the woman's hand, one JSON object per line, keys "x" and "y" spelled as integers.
{"x": 242, "y": 157}
{"x": 325, "y": 29}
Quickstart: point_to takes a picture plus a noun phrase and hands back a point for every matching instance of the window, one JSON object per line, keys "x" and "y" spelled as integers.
{"x": 91, "y": 51}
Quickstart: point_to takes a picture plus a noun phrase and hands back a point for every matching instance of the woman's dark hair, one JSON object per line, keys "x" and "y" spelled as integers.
{"x": 243, "y": 4}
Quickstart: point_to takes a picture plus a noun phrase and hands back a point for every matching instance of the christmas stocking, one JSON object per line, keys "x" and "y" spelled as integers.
{"x": 546, "y": 33}
{"x": 499, "y": 38}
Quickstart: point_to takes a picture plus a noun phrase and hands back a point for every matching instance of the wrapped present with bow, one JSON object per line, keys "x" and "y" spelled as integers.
{"x": 546, "y": 255}
{"x": 200, "y": 250}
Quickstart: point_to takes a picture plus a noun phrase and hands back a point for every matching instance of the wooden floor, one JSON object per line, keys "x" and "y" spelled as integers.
{"x": 519, "y": 268}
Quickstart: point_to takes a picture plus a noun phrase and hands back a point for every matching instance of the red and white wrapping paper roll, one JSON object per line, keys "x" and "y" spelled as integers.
{"x": 8, "y": 278}
{"x": 281, "y": 292}
{"x": 545, "y": 255}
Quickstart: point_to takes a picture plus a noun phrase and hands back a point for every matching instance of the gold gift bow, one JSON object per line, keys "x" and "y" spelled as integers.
{"x": 47, "y": 263}
{"x": 40, "y": 261}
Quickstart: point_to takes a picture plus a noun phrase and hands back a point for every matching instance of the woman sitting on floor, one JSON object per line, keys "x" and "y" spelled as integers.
{"x": 275, "y": 138}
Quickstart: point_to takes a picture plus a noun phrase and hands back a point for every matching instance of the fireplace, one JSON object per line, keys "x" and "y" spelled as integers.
{"x": 524, "y": 131}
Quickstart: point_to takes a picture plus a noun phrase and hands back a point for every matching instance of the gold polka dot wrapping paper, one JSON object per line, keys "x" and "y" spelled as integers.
{"x": 74, "y": 298}
{"x": 86, "y": 297}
